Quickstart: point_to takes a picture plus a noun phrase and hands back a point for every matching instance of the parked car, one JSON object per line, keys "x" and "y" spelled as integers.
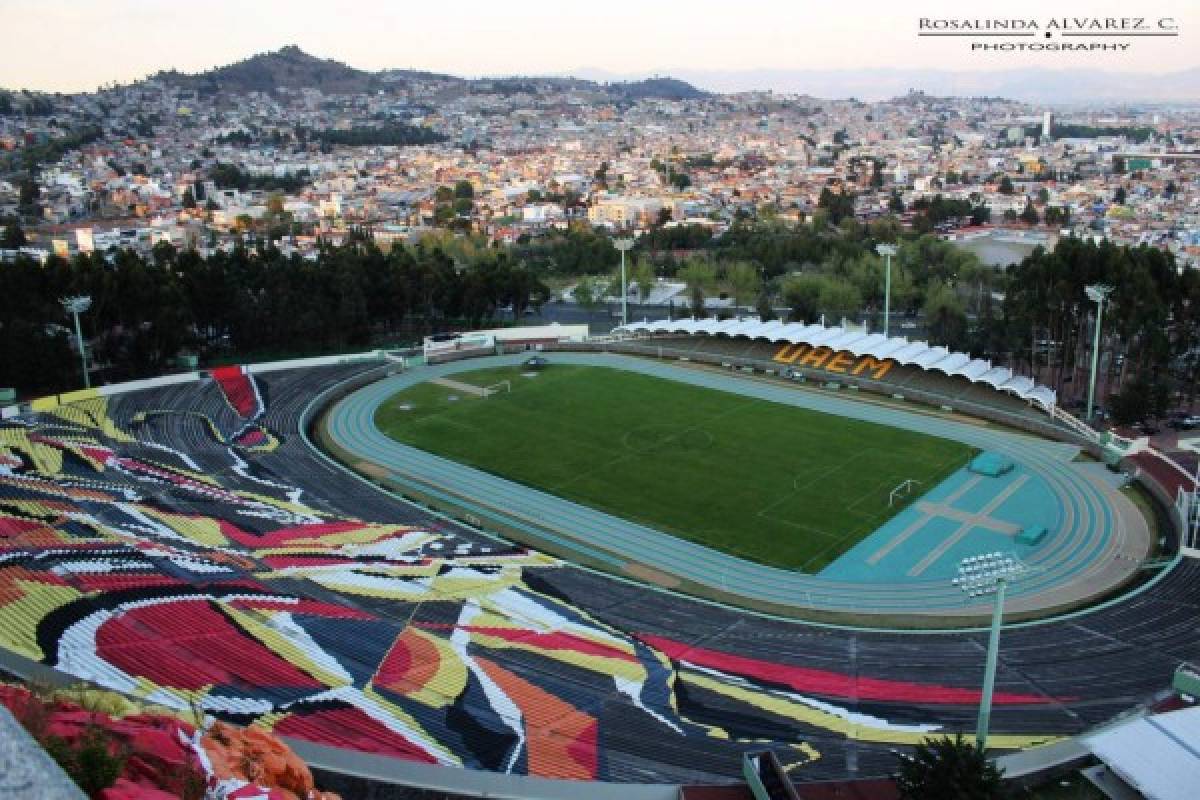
{"x": 1183, "y": 422}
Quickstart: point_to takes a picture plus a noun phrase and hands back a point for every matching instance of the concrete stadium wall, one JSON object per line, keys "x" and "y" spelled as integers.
{"x": 53, "y": 401}
{"x": 150, "y": 383}
{"x": 460, "y": 355}
{"x": 319, "y": 361}
{"x": 1165, "y": 501}
{"x": 27, "y": 772}
{"x": 365, "y": 775}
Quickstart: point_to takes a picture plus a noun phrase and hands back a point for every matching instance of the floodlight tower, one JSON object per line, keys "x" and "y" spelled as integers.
{"x": 978, "y": 576}
{"x": 75, "y": 306}
{"x": 624, "y": 245}
{"x": 1097, "y": 293}
{"x": 887, "y": 251}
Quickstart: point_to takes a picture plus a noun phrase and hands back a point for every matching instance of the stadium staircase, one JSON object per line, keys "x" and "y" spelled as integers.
{"x": 767, "y": 778}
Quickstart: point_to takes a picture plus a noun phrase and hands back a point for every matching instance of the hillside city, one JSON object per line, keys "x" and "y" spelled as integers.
{"x": 203, "y": 164}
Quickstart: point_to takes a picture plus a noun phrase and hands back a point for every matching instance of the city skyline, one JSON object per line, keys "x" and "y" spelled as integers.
{"x": 126, "y": 40}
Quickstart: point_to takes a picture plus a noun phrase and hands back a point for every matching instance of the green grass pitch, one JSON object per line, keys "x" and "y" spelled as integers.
{"x": 767, "y": 482}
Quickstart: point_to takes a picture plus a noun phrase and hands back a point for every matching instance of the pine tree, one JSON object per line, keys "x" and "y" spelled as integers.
{"x": 949, "y": 769}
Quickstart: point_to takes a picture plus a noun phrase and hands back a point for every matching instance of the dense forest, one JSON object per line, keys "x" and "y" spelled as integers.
{"x": 230, "y": 176}
{"x": 1151, "y": 321}
{"x": 146, "y": 311}
{"x": 394, "y": 134}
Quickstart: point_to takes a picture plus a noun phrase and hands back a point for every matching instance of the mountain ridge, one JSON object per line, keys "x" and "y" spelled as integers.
{"x": 292, "y": 68}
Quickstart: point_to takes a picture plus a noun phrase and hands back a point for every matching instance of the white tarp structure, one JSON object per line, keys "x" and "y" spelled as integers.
{"x": 859, "y": 343}
{"x": 1158, "y": 756}
{"x": 471, "y": 341}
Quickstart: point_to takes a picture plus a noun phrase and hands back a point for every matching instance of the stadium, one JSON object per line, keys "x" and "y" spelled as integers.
{"x": 464, "y": 571}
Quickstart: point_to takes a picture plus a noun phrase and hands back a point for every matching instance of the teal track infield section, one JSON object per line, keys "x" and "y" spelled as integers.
{"x": 1096, "y": 540}
{"x": 973, "y": 513}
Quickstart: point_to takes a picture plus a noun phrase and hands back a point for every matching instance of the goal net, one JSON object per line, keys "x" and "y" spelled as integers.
{"x": 902, "y": 490}
{"x": 496, "y": 387}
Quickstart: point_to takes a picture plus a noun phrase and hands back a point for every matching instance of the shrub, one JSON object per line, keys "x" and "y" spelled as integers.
{"x": 91, "y": 761}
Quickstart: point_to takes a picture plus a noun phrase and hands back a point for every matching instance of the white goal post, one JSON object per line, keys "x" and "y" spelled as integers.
{"x": 495, "y": 387}
{"x": 903, "y": 489}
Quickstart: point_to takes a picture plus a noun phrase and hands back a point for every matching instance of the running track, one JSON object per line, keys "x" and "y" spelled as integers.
{"x": 1098, "y": 544}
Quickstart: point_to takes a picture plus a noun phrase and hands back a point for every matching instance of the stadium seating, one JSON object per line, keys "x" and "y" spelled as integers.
{"x": 1168, "y": 476}
{"x": 916, "y": 384}
{"x": 239, "y": 390}
{"x": 136, "y": 551}
{"x": 858, "y": 343}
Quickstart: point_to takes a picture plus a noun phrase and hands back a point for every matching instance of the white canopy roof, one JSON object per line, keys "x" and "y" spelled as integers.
{"x": 1157, "y": 755}
{"x": 897, "y": 348}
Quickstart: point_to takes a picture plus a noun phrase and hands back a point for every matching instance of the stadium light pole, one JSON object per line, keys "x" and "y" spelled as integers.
{"x": 76, "y": 306}
{"x": 1097, "y": 293}
{"x": 887, "y": 251}
{"x": 979, "y": 576}
{"x": 624, "y": 245}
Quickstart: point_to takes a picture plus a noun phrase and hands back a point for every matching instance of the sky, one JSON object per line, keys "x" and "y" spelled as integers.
{"x": 73, "y": 45}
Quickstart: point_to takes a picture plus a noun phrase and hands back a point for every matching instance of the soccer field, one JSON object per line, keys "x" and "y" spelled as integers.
{"x": 767, "y": 482}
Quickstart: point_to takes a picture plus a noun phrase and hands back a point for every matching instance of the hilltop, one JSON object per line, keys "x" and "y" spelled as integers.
{"x": 289, "y": 68}
{"x": 664, "y": 88}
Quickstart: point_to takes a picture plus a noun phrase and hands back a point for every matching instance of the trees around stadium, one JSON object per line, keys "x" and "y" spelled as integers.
{"x": 1139, "y": 399}
{"x": 250, "y": 301}
{"x": 839, "y": 274}
{"x": 700, "y": 277}
{"x": 938, "y": 209}
{"x": 1042, "y": 326}
{"x": 743, "y": 280}
{"x": 811, "y": 297}
{"x": 945, "y": 317}
{"x": 586, "y": 294}
{"x": 839, "y": 205}
{"x": 643, "y": 278}
{"x": 240, "y": 304}
{"x": 578, "y": 250}
{"x": 802, "y": 295}
{"x": 1151, "y": 323}
{"x": 679, "y": 237}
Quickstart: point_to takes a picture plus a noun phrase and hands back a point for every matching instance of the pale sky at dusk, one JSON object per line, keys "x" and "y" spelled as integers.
{"x": 71, "y": 45}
